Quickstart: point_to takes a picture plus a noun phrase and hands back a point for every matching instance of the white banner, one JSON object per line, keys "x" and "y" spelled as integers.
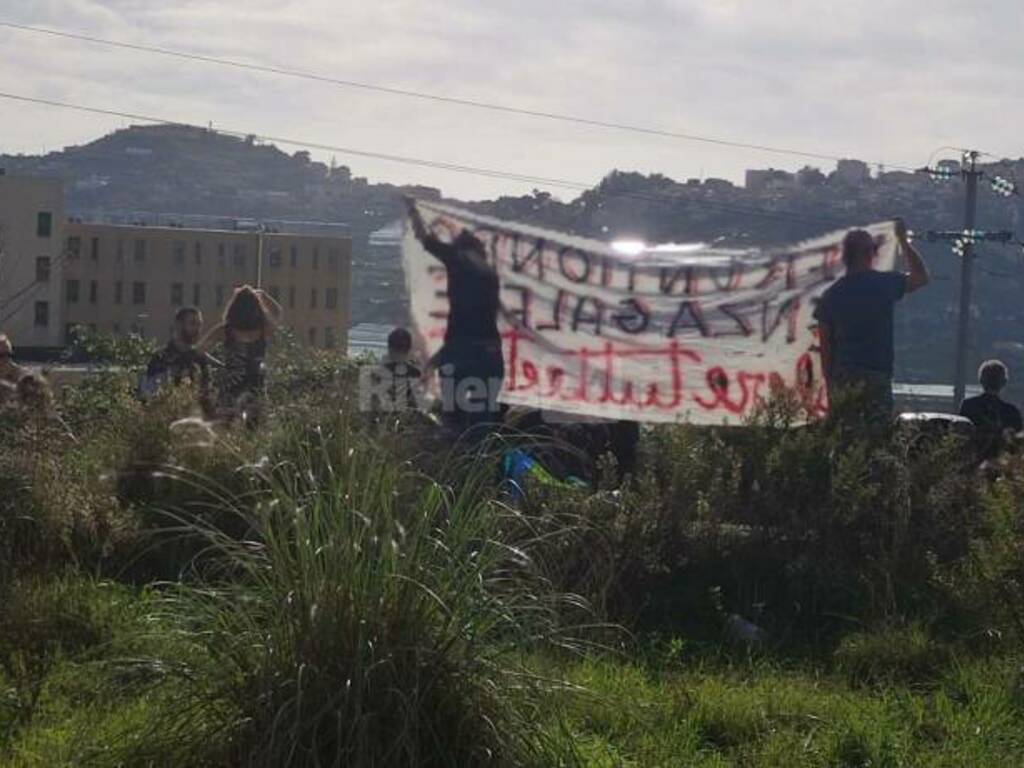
{"x": 666, "y": 334}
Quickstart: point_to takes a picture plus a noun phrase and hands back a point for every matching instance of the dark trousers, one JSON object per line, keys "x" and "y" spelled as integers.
{"x": 872, "y": 391}
{"x": 471, "y": 373}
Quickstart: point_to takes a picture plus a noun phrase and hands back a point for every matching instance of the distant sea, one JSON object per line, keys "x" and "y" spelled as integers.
{"x": 368, "y": 339}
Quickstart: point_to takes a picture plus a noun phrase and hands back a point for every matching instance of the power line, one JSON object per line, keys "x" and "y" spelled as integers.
{"x": 435, "y": 164}
{"x": 439, "y": 98}
{"x": 26, "y": 293}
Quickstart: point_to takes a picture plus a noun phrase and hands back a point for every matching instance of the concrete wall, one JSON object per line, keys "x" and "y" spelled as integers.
{"x": 124, "y": 279}
{"x": 29, "y": 293}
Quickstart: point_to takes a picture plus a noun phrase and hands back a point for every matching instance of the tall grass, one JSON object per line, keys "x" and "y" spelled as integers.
{"x": 369, "y": 617}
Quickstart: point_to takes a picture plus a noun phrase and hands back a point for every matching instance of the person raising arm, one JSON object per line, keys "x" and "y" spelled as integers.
{"x": 855, "y": 319}
{"x": 918, "y": 276}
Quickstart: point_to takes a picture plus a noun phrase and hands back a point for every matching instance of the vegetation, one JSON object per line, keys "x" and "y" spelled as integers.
{"x": 333, "y": 589}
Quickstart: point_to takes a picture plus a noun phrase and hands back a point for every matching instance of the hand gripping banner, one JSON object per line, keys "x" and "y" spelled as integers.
{"x": 667, "y": 334}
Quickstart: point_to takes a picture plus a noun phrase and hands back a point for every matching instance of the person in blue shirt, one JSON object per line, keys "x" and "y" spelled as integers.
{"x": 855, "y": 319}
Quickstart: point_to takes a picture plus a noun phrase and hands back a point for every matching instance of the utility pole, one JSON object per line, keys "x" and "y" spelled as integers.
{"x": 963, "y": 247}
{"x": 970, "y": 174}
{"x": 259, "y": 255}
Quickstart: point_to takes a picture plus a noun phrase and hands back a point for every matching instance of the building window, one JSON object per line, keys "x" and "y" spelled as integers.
{"x": 71, "y": 291}
{"x": 275, "y": 257}
{"x": 331, "y": 298}
{"x": 238, "y": 256}
{"x": 42, "y": 269}
{"x": 329, "y": 341}
{"x": 294, "y": 256}
{"x": 138, "y": 293}
{"x": 291, "y": 297}
{"x": 118, "y": 291}
{"x": 42, "y": 314}
{"x": 275, "y": 293}
{"x": 316, "y": 256}
{"x": 332, "y": 259}
{"x": 94, "y": 249}
{"x": 74, "y": 247}
{"x": 219, "y": 294}
{"x": 312, "y": 298}
{"x": 177, "y": 294}
{"x": 139, "y": 250}
{"x": 196, "y": 292}
{"x": 197, "y": 250}
{"x": 312, "y": 337}
{"x": 44, "y": 228}
{"x": 93, "y": 292}
{"x": 178, "y": 249}
{"x": 120, "y": 251}
{"x": 116, "y": 329}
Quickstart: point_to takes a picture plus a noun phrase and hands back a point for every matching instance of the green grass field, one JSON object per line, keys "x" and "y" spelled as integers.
{"x": 661, "y": 705}
{"x": 332, "y": 590}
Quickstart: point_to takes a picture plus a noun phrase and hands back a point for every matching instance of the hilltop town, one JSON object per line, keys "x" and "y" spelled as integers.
{"x": 163, "y": 174}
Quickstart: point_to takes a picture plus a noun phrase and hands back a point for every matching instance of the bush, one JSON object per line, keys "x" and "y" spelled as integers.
{"x": 892, "y": 654}
{"x": 804, "y": 529}
{"x": 369, "y": 616}
{"x": 43, "y": 622}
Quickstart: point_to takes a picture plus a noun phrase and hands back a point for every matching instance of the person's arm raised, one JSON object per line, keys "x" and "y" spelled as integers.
{"x": 271, "y": 307}
{"x": 418, "y": 227}
{"x": 918, "y": 276}
{"x": 441, "y": 251}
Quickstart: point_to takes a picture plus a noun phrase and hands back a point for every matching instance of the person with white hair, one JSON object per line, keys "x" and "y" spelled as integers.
{"x": 992, "y": 416}
{"x": 10, "y": 372}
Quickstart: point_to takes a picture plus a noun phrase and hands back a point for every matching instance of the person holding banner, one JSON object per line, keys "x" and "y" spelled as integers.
{"x": 470, "y": 362}
{"x": 855, "y": 318}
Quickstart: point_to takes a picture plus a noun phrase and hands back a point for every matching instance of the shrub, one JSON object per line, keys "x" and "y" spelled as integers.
{"x": 906, "y": 654}
{"x": 368, "y": 617}
{"x": 804, "y": 529}
{"x": 43, "y": 621}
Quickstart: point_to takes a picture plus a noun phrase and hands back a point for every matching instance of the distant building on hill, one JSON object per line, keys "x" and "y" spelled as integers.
{"x": 757, "y": 180}
{"x": 31, "y": 247}
{"x": 718, "y": 185}
{"x": 852, "y": 171}
{"x": 58, "y": 274}
{"x": 125, "y": 279}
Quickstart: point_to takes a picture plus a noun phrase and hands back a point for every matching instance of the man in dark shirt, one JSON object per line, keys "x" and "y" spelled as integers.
{"x": 855, "y": 317}
{"x": 991, "y": 415}
{"x": 180, "y": 359}
{"x": 470, "y": 361}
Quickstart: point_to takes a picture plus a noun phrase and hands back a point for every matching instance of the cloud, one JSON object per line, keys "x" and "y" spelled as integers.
{"x": 883, "y": 80}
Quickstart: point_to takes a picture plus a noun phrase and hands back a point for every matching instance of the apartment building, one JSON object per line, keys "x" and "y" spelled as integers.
{"x": 31, "y": 245}
{"x": 125, "y": 279}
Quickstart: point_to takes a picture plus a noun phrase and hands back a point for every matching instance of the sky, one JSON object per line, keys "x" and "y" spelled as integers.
{"x": 886, "y": 81}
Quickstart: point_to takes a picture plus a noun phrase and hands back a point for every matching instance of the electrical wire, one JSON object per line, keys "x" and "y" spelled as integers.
{"x": 439, "y": 98}
{"x": 25, "y": 294}
{"x": 435, "y": 164}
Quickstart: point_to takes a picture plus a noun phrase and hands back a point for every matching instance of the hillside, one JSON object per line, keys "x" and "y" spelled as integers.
{"x": 171, "y": 169}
